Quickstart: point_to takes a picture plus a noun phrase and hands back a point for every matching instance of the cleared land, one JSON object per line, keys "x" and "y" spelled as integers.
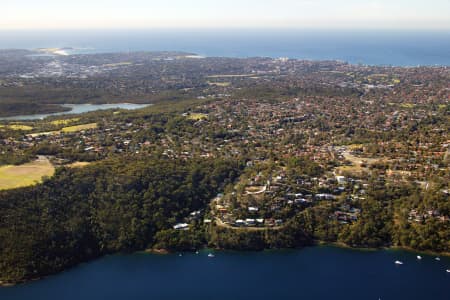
{"x": 358, "y": 164}
{"x": 222, "y": 84}
{"x": 78, "y": 164}
{"x": 230, "y": 75}
{"x": 25, "y": 175}
{"x": 64, "y": 121}
{"x": 79, "y": 127}
{"x": 125, "y": 63}
{"x": 197, "y": 116}
{"x": 69, "y": 129}
{"x": 17, "y": 127}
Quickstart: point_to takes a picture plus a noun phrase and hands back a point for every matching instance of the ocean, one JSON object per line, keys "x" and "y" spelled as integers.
{"x": 368, "y": 47}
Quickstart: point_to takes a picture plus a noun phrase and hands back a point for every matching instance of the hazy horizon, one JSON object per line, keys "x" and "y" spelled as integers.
{"x": 375, "y": 47}
{"x": 203, "y": 14}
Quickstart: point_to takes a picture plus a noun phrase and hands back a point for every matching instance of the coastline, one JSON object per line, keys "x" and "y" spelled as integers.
{"x": 312, "y": 44}
{"x": 4, "y": 284}
{"x": 153, "y": 251}
{"x": 394, "y": 248}
{"x": 156, "y": 251}
{"x": 429, "y": 252}
{"x": 71, "y": 109}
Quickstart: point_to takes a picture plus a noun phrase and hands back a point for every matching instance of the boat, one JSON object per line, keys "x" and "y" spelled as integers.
{"x": 448, "y": 270}
{"x": 210, "y": 255}
{"x": 419, "y": 257}
{"x": 196, "y": 252}
{"x": 438, "y": 258}
{"x": 397, "y": 262}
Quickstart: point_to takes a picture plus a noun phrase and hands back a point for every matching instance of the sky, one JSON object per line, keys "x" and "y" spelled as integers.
{"x": 103, "y": 14}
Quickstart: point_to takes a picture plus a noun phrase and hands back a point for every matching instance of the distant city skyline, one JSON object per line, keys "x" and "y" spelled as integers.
{"x": 105, "y": 14}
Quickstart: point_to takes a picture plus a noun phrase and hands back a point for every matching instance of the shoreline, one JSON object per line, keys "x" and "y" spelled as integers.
{"x": 403, "y": 248}
{"x": 68, "y": 108}
{"x": 156, "y": 251}
{"x": 317, "y": 244}
{"x": 274, "y": 54}
{"x": 426, "y": 252}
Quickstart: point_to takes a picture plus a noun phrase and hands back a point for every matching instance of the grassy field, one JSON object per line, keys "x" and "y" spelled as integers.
{"x": 64, "y": 121}
{"x": 359, "y": 164}
{"x": 221, "y": 84}
{"x": 67, "y": 129}
{"x": 407, "y": 105}
{"x": 197, "y": 116}
{"x": 351, "y": 170}
{"x": 25, "y": 175}
{"x": 17, "y": 127}
{"x": 78, "y": 164}
{"x": 79, "y": 127}
{"x": 43, "y": 133}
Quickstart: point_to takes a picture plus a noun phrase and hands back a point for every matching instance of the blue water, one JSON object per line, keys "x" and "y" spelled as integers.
{"x": 311, "y": 273}
{"x": 78, "y": 109}
{"x": 401, "y": 48}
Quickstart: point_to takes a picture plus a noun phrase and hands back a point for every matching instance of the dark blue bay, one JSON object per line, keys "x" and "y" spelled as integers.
{"x": 311, "y": 273}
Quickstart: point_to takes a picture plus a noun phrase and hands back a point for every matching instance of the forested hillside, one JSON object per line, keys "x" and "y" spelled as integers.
{"x": 118, "y": 205}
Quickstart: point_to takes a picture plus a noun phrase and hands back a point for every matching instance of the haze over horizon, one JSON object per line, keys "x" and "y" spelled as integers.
{"x": 322, "y": 14}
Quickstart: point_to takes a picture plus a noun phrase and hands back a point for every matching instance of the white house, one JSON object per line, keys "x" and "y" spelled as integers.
{"x": 181, "y": 226}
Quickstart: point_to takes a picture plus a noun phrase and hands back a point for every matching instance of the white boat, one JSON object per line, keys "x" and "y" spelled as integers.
{"x": 419, "y": 257}
{"x": 397, "y": 262}
{"x": 196, "y": 252}
{"x": 210, "y": 255}
{"x": 448, "y": 270}
{"x": 437, "y": 258}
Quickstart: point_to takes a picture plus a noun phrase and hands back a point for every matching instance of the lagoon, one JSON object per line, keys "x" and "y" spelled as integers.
{"x": 312, "y": 273}
{"x": 77, "y": 109}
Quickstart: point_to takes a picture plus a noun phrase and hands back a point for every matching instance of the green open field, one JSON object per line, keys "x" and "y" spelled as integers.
{"x": 64, "y": 121}
{"x": 197, "y": 116}
{"x": 25, "y": 175}
{"x": 17, "y": 127}
{"x": 79, "y": 127}
{"x": 75, "y": 128}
